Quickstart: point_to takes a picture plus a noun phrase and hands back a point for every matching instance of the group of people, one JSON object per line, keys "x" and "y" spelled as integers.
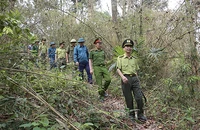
{"x": 93, "y": 62}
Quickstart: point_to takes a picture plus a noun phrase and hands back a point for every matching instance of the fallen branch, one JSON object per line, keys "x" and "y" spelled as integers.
{"x": 38, "y": 97}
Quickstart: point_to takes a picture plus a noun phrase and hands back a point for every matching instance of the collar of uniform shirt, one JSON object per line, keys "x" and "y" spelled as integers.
{"x": 125, "y": 56}
{"x": 97, "y": 49}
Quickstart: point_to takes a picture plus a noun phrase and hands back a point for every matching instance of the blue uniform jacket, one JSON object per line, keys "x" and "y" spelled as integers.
{"x": 81, "y": 54}
{"x": 51, "y": 52}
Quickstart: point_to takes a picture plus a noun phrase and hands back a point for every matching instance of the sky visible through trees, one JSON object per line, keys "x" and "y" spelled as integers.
{"x": 172, "y": 4}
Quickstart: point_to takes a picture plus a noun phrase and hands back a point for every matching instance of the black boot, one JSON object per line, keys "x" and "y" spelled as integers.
{"x": 132, "y": 115}
{"x": 141, "y": 116}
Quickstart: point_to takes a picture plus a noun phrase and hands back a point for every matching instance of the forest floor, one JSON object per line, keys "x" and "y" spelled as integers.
{"x": 117, "y": 105}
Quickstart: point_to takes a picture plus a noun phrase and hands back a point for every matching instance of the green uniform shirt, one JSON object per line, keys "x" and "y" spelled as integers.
{"x": 43, "y": 48}
{"x": 97, "y": 57}
{"x": 127, "y": 65}
{"x": 34, "y": 50}
{"x": 61, "y": 53}
{"x": 70, "y": 52}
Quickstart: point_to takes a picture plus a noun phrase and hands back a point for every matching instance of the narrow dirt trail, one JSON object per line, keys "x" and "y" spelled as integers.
{"x": 117, "y": 107}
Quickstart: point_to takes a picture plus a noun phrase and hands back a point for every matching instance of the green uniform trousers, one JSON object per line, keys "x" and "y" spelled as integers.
{"x": 101, "y": 72}
{"x": 61, "y": 62}
{"x": 130, "y": 88}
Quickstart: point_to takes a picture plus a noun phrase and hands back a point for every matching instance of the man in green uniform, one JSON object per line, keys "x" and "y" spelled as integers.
{"x": 70, "y": 57}
{"x": 61, "y": 55}
{"x": 97, "y": 62}
{"x": 127, "y": 67}
{"x": 70, "y": 51}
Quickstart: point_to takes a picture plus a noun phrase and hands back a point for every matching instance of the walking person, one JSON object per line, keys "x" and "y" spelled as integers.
{"x": 61, "y": 56}
{"x": 35, "y": 52}
{"x": 97, "y": 66}
{"x": 81, "y": 59}
{"x": 70, "y": 57}
{"x": 70, "y": 51}
{"x": 127, "y": 67}
{"x": 30, "y": 48}
{"x": 43, "y": 52}
{"x": 51, "y": 55}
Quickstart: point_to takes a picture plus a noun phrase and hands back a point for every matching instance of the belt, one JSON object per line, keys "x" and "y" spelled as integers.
{"x": 100, "y": 65}
{"x": 61, "y": 58}
{"x": 130, "y": 75}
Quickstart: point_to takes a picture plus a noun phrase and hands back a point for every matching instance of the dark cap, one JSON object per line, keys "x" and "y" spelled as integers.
{"x": 127, "y": 42}
{"x": 62, "y": 43}
{"x": 43, "y": 39}
{"x": 37, "y": 41}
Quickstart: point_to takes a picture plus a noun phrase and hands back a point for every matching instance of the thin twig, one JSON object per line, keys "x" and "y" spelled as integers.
{"x": 101, "y": 111}
{"x": 37, "y": 73}
{"x": 44, "y": 102}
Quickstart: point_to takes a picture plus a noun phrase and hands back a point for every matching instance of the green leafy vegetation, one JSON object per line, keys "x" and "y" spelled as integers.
{"x": 33, "y": 98}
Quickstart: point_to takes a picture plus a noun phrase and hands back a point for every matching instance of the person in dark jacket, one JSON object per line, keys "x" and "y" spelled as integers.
{"x": 81, "y": 59}
{"x": 51, "y": 55}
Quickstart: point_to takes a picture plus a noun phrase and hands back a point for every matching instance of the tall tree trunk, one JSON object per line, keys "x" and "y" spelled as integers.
{"x": 11, "y": 4}
{"x": 114, "y": 19}
{"x": 124, "y": 3}
{"x": 130, "y": 6}
{"x": 91, "y": 4}
{"x": 191, "y": 15}
{"x": 114, "y": 10}
{"x": 141, "y": 19}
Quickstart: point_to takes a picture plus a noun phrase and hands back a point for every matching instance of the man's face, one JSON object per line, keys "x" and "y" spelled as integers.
{"x": 44, "y": 41}
{"x": 81, "y": 43}
{"x": 73, "y": 43}
{"x": 62, "y": 45}
{"x": 98, "y": 45}
{"x": 128, "y": 48}
{"x": 53, "y": 46}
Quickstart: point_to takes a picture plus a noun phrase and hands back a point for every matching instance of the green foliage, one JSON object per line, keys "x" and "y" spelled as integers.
{"x": 166, "y": 74}
{"x": 42, "y": 123}
{"x": 155, "y": 53}
{"x": 118, "y": 50}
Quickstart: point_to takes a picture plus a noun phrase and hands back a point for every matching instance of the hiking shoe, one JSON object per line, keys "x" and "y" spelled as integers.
{"x": 101, "y": 99}
{"x": 90, "y": 82}
{"x": 142, "y": 118}
{"x": 132, "y": 118}
{"x": 106, "y": 95}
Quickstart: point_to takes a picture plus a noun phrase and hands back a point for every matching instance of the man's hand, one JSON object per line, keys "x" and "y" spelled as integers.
{"x": 124, "y": 79}
{"x": 77, "y": 63}
{"x": 91, "y": 71}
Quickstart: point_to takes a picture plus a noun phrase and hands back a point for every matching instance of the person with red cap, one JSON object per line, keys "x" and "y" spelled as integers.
{"x": 97, "y": 65}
